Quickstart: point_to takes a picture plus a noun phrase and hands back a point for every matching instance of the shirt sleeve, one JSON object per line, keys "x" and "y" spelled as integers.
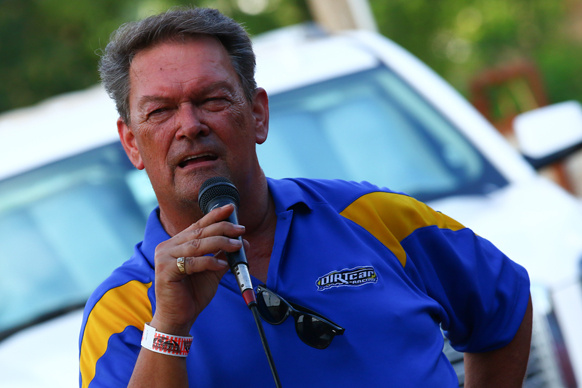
{"x": 483, "y": 294}
{"x": 110, "y": 338}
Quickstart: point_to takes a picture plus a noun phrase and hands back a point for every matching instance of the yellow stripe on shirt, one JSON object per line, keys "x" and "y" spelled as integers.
{"x": 120, "y": 307}
{"x": 391, "y": 217}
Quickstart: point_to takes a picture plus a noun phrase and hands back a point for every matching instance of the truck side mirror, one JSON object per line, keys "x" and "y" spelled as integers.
{"x": 550, "y": 133}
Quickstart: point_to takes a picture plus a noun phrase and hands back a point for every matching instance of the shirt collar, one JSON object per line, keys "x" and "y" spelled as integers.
{"x": 154, "y": 235}
{"x": 287, "y": 195}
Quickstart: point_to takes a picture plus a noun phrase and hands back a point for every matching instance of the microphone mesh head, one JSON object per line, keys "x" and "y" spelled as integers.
{"x": 214, "y": 188}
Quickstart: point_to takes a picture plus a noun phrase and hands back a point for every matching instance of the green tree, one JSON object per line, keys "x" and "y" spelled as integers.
{"x": 461, "y": 38}
{"x": 50, "y": 46}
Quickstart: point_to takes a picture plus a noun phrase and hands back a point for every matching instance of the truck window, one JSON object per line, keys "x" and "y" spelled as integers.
{"x": 63, "y": 228}
{"x": 373, "y": 126}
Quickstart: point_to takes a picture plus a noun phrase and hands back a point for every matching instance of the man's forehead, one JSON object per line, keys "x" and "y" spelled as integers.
{"x": 179, "y": 69}
{"x": 179, "y": 61}
{"x": 198, "y": 43}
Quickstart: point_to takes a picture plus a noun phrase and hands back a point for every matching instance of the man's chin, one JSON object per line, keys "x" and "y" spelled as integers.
{"x": 190, "y": 184}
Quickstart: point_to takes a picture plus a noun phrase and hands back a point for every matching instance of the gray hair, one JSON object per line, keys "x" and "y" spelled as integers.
{"x": 178, "y": 23}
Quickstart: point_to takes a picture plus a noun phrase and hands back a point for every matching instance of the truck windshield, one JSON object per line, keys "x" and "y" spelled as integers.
{"x": 63, "y": 228}
{"x": 373, "y": 126}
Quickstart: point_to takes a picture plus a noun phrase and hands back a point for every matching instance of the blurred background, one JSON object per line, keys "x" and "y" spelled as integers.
{"x": 505, "y": 56}
{"x": 49, "y": 46}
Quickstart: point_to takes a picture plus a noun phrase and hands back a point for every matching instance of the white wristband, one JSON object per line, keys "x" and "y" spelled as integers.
{"x": 172, "y": 345}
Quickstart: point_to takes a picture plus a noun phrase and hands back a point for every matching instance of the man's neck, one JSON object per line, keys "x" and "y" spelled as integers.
{"x": 261, "y": 240}
{"x": 257, "y": 214}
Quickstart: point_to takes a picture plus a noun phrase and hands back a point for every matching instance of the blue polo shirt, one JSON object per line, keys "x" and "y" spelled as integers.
{"x": 387, "y": 268}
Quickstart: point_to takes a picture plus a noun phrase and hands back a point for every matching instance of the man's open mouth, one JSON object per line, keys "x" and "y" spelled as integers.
{"x": 197, "y": 159}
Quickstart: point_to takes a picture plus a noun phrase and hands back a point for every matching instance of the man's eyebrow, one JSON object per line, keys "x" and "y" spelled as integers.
{"x": 142, "y": 104}
{"x": 219, "y": 85}
{"x": 147, "y": 99}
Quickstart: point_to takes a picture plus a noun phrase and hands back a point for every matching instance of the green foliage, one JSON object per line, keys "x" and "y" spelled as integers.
{"x": 461, "y": 38}
{"x": 49, "y": 46}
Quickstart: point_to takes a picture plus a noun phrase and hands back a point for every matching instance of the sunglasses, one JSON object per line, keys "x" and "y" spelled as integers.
{"x": 312, "y": 328}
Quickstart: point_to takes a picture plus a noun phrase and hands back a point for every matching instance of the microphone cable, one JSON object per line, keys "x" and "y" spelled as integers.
{"x": 253, "y": 307}
{"x": 219, "y": 191}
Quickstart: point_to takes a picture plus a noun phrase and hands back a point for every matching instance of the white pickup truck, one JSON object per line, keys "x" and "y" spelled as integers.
{"x": 354, "y": 106}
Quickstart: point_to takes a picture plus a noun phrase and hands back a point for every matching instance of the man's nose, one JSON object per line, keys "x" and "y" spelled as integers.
{"x": 190, "y": 122}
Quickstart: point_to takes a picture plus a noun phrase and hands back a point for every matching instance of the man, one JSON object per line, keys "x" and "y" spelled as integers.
{"x": 388, "y": 269}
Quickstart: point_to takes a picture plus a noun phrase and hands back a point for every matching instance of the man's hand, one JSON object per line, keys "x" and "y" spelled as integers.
{"x": 180, "y": 298}
{"x": 505, "y": 367}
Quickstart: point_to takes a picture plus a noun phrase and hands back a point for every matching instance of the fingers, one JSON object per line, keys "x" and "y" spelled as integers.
{"x": 199, "y": 243}
{"x": 212, "y": 224}
{"x": 214, "y": 218}
{"x": 205, "y": 263}
{"x": 214, "y": 262}
{"x": 199, "y": 255}
{"x": 205, "y": 246}
{"x": 182, "y": 294}
{"x": 216, "y": 215}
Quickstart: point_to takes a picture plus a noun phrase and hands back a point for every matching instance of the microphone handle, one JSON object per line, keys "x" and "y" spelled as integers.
{"x": 240, "y": 268}
{"x": 243, "y": 278}
{"x": 237, "y": 260}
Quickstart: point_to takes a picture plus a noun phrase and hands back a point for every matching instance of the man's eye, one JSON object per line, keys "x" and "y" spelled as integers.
{"x": 157, "y": 111}
{"x": 216, "y": 104}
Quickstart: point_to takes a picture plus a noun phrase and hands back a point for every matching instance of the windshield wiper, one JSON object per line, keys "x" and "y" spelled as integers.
{"x": 40, "y": 319}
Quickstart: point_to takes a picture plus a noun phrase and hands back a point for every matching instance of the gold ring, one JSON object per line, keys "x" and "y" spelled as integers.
{"x": 181, "y": 265}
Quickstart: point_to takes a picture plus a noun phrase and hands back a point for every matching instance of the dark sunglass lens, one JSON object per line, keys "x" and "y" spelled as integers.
{"x": 313, "y": 331}
{"x": 271, "y": 307}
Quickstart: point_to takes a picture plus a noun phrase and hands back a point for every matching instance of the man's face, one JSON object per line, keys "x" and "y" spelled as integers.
{"x": 189, "y": 118}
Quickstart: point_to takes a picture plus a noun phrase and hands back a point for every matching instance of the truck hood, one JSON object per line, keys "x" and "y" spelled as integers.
{"x": 534, "y": 222}
{"x": 43, "y": 356}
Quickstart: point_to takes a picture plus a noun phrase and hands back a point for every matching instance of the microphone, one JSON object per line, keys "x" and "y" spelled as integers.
{"x": 217, "y": 192}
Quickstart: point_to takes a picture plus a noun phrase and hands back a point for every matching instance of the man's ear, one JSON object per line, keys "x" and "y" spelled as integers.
{"x": 261, "y": 115}
{"x": 129, "y": 143}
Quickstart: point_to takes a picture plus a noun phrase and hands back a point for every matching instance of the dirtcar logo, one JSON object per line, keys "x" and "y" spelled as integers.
{"x": 347, "y": 277}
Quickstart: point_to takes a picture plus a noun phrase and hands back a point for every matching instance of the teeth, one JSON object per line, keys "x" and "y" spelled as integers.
{"x": 193, "y": 157}
{"x": 196, "y": 157}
